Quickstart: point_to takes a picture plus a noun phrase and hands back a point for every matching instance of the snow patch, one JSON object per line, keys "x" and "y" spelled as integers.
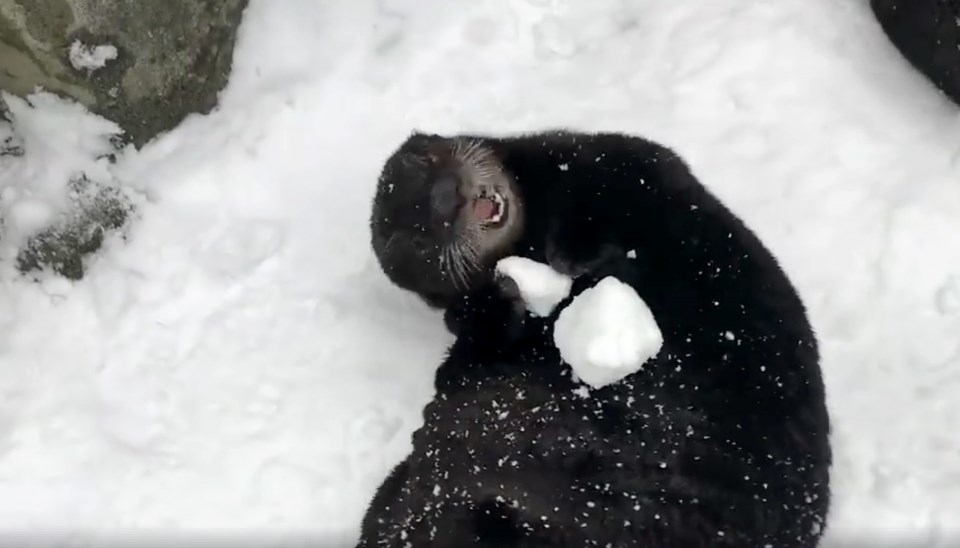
{"x": 29, "y": 214}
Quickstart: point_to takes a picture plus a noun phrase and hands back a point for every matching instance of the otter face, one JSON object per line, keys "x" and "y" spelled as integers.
{"x": 445, "y": 211}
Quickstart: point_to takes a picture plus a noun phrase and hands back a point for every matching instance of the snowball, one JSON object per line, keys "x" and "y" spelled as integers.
{"x": 607, "y": 333}
{"x": 541, "y": 287}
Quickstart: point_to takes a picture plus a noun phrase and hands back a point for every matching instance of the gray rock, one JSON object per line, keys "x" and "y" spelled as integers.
{"x": 10, "y": 143}
{"x": 158, "y": 60}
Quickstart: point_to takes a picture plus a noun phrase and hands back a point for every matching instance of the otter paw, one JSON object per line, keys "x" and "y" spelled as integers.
{"x": 607, "y": 333}
{"x": 493, "y": 307}
{"x": 577, "y": 261}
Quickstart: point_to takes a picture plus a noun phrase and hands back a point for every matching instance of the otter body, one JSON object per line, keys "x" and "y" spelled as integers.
{"x": 721, "y": 440}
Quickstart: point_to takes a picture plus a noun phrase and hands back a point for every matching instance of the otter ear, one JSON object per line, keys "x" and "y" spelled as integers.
{"x": 419, "y": 133}
{"x": 418, "y": 137}
{"x": 416, "y": 142}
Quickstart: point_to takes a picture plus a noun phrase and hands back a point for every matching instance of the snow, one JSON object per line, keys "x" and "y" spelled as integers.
{"x": 91, "y": 58}
{"x": 239, "y": 366}
{"x": 607, "y": 333}
{"x": 541, "y": 287}
{"x": 29, "y": 214}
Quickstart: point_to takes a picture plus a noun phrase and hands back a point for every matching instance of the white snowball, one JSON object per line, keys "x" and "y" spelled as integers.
{"x": 541, "y": 287}
{"x": 607, "y": 333}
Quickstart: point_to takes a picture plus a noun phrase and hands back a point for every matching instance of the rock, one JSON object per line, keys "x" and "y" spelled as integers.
{"x": 95, "y": 209}
{"x": 10, "y": 143}
{"x": 927, "y": 33}
{"x": 144, "y": 65}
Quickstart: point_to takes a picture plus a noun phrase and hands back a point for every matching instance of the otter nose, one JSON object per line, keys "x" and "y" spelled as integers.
{"x": 445, "y": 196}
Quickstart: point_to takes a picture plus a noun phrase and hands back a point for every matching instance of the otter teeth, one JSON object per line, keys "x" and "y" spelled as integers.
{"x": 498, "y": 199}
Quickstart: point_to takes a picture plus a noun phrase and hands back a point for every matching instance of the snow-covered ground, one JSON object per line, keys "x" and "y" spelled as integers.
{"x": 239, "y": 365}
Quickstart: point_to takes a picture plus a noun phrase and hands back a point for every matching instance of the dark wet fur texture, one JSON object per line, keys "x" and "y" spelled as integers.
{"x": 721, "y": 440}
{"x": 928, "y": 36}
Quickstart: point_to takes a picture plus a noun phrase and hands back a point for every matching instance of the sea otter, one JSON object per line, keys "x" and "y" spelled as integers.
{"x": 720, "y": 440}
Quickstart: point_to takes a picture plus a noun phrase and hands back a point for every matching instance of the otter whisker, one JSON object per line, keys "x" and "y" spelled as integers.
{"x": 456, "y": 268}
{"x": 462, "y": 272}
{"x": 470, "y": 151}
{"x": 458, "y": 150}
{"x": 453, "y": 266}
{"x": 478, "y": 160}
{"x": 468, "y": 257}
{"x": 463, "y": 256}
{"x": 390, "y": 240}
{"x": 462, "y": 148}
{"x": 444, "y": 260}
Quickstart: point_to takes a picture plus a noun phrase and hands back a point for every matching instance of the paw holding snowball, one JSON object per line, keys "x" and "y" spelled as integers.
{"x": 540, "y": 287}
{"x": 606, "y": 333}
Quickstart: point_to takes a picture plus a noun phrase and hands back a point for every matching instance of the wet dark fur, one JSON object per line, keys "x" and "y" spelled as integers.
{"x": 717, "y": 441}
{"x": 928, "y": 36}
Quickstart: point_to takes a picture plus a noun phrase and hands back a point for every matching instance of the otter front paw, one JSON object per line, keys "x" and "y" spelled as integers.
{"x": 575, "y": 260}
{"x": 493, "y": 307}
{"x": 611, "y": 263}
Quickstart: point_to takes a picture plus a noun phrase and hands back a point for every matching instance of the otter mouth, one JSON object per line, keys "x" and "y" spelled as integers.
{"x": 490, "y": 208}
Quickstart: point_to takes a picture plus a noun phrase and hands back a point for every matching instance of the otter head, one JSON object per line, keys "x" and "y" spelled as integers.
{"x": 445, "y": 211}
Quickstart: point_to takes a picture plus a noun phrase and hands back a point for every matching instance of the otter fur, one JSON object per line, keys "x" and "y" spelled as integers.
{"x": 720, "y": 440}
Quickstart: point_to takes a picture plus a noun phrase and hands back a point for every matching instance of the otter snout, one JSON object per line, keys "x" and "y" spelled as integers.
{"x": 445, "y": 197}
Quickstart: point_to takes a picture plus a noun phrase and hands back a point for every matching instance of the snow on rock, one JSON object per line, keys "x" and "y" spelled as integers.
{"x": 10, "y": 144}
{"x": 58, "y": 192}
{"x": 91, "y": 58}
{"x": 607, "y": 333}
{"x": 57, "y": 140}
{"x": 541, "y": 287}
